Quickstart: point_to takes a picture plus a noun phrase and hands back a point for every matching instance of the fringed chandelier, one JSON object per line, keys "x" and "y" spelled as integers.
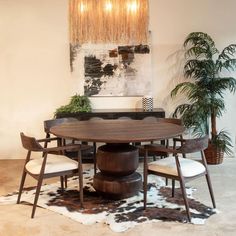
{"x": 108, "y": 21}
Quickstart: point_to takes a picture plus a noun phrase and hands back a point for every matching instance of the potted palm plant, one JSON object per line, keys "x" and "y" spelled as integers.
{"x": 207, "y": 73}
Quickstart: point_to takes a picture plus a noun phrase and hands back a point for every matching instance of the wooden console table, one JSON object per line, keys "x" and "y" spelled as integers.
{"x": 135, "y": 114}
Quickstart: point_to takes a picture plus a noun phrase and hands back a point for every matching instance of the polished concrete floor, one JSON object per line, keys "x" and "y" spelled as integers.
{"x": 15, "y": 219}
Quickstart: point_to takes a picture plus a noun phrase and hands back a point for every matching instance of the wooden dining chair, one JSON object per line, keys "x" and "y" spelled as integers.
{"x": 48, "y": 124}
{"x": 50, "y": 165}
{"x": 179, "y": 168}
{"x": 124, "y": 118}
{"x": 163, "y": 143}
{"x": 150, "y": 119}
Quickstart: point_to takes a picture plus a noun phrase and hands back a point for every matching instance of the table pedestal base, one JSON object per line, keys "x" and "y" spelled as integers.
{"x": 117, "y": 187}
{"x": 117, "y": 163}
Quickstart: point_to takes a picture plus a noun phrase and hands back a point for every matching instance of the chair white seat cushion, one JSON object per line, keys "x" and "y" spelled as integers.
{"x": 54, "y": 164}
{"x": 168, "y": 166}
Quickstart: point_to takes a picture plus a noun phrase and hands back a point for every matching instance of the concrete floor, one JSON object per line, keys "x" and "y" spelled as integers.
{"x": 15, "y": 219}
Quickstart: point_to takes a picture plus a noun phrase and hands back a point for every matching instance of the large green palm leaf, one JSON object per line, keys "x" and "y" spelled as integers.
{"x": 226, "y": 59}
{"x": 201, "y": 44}
{"x": 221, "y": 84}
{"x": 199, "y": 69}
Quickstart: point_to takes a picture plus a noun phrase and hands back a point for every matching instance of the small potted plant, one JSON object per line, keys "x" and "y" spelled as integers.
{"x": 205, "y": 70}
{"x": 78, "y": 103}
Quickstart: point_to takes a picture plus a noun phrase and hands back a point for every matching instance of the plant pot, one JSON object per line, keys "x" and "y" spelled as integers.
{"x": 214, "y": 156}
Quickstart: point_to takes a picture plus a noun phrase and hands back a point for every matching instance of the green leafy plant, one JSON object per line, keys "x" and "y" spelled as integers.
{"x": 222, "y": 141}
{"x": 78, "y": 103}
{"x": 205, "y": 87}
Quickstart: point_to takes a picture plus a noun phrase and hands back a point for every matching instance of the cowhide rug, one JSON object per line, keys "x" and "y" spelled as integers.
{"x": 120, "y": 215}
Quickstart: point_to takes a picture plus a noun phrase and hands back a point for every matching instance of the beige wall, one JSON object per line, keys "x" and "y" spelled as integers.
{"x": 34, "y": 60}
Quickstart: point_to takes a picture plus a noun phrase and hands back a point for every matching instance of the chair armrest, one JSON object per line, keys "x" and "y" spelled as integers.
{"x": 48, "y": 139}
{"x": 74, "y": 147}
{"x": 160, "y": 148}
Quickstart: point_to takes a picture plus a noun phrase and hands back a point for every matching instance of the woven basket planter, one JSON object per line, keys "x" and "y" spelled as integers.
{"x": 213, "y": 155}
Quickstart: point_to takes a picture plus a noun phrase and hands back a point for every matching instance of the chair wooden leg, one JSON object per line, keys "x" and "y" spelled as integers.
{"x": 182, "y": 185}
{"x": 59, "y": 144}
{"x": 46, "y": 143}
{"x": 95, "y": 157}
{"x": 210, "y": 189}
{"x": 65, "y": 180}
{"x": 145, "y": 180}
{"x": 208, "y": 179}
{"x": 81, "y": 193}
{"x": 166, "y": 181}
{"x": 62, "y": 183}
{"x": 40, "y": 180}
{"x": 173, "y": 188}
{"x": 21, "y": 186}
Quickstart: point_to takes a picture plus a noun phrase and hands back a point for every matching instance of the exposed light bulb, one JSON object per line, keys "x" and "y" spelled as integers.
{"x": 132, "y": 6}
{"x": 82, "y": 7}
{"x": 108, "y": 6}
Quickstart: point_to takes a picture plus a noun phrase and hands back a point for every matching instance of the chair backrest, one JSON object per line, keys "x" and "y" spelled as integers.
{"x": 194, "y": 145}
{"x": 150, "y": 119}
{"x": 124, "y": 118}
{"x": 50, "y": 123}
{"x": 170, "y": 120}
{"x": 30, "y": 143}
{"x": 96, "y": 118}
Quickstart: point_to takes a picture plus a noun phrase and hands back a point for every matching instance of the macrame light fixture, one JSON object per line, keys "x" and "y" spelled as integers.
{"x": 108, "y": 21}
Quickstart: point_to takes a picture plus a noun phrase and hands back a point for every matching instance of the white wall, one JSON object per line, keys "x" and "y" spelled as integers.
{"x": 170, "y": 22}
{"x": 34, "y": 60}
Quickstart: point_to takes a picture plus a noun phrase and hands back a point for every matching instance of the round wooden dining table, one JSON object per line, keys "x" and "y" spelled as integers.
{"x": 117, "y": 159}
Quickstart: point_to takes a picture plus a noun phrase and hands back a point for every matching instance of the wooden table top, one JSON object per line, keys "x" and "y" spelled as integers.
{"x": 117, "y": 131}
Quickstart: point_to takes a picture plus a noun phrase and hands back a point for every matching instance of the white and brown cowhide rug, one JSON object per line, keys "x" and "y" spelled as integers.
{"x": 120, "y": 215}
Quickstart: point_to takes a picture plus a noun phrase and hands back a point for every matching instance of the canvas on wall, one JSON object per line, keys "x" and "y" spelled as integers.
{"x": 112, "y": 70}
